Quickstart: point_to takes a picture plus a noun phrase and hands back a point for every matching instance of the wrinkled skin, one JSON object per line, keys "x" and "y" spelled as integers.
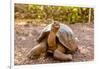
{"x": 41, "y": 49}
{"x": 38, "y": 50}
{"x": 61, "y": 53}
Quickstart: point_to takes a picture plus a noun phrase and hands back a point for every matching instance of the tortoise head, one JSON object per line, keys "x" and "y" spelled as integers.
{"x": 55, "y": 26}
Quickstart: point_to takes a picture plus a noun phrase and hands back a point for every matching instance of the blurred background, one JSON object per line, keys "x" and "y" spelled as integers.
{"x": 45, "y": 13}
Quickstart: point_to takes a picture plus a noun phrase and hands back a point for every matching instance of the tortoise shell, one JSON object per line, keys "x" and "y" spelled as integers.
{"x": 65, "y": 36}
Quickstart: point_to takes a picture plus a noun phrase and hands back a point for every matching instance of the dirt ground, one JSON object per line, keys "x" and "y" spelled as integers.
{"x": 25, "y": 39}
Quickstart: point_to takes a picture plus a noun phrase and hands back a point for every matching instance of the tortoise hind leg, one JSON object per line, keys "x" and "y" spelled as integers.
{"x": 59, "y": 54}
{"x": 36, "y": 51}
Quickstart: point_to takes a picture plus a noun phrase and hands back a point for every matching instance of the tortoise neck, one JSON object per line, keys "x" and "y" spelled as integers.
{"x": 53, "y": 31}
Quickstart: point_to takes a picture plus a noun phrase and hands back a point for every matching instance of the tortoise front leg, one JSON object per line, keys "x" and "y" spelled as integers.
{"x": 59, "y": 54}
{"x": 36, "y": 51}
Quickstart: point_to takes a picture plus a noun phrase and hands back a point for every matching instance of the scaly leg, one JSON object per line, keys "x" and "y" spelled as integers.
{"x": 36, "y": 51}
{"x": 59, "y": 54}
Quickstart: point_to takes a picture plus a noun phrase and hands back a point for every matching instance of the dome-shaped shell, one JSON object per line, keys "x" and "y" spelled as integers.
{"x": 65, "y": 36}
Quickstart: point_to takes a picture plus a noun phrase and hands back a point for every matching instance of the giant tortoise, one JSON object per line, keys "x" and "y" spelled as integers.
{"x": 58, "y": 39}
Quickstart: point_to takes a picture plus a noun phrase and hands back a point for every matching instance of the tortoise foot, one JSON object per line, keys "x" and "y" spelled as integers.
{"x": 61, "y": 56}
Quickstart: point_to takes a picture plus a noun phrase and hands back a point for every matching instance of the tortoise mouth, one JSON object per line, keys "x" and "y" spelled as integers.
{"x": 57, "y": 27}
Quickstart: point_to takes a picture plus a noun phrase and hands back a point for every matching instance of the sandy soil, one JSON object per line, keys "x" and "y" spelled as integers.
{"x": 25, "y": 39}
